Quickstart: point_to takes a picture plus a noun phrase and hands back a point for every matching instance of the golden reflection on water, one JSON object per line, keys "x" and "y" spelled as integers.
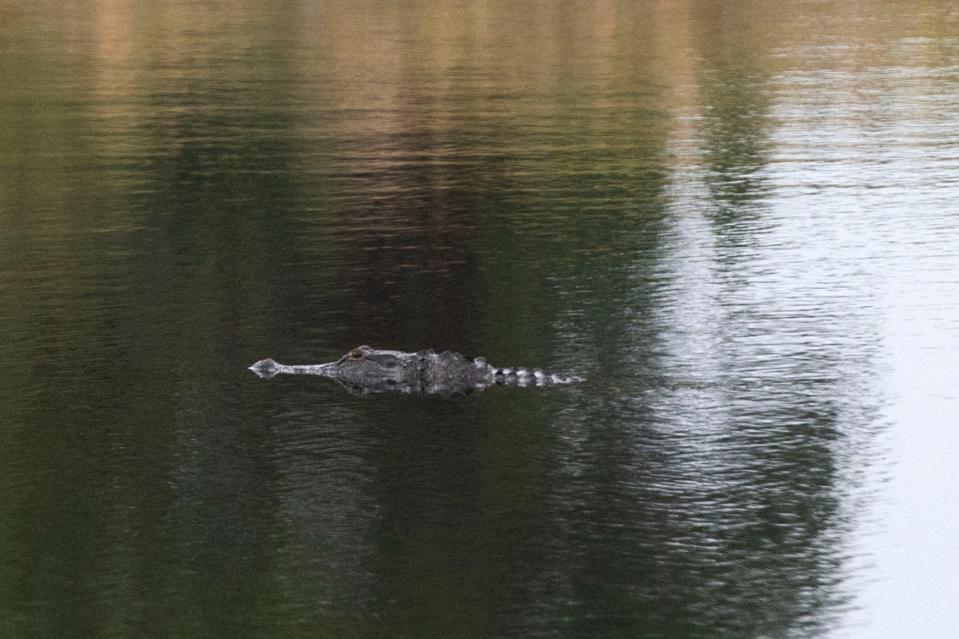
{"x": 369, "y": 68}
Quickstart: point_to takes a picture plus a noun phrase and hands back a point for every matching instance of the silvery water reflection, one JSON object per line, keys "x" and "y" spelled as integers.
{"x": 737, "y": 223}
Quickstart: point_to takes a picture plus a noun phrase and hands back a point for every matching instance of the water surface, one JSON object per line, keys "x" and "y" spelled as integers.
{"x": 737, "y": 222}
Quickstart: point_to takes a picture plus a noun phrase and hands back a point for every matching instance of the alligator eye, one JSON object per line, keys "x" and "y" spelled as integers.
{"x": 355, "y": 354}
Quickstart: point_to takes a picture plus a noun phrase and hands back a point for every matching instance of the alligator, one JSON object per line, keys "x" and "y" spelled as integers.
{"x": 371, "y": 370}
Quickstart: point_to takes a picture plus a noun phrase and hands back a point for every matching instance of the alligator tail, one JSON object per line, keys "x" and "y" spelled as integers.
{"x": 531, "y": 377}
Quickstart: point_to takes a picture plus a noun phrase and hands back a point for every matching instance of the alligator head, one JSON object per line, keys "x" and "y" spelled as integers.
{"x": 365, "y": 366}
{"x": 362, "y": 366}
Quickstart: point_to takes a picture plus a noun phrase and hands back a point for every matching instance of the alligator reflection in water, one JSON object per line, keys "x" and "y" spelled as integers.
{"x": 376, "y": 371}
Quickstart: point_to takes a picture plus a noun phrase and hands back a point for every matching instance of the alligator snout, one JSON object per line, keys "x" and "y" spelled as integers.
{"x": 265, "y": 368}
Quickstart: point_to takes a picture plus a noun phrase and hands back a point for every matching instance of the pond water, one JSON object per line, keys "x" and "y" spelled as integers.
{"x": 737, "y": 221}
